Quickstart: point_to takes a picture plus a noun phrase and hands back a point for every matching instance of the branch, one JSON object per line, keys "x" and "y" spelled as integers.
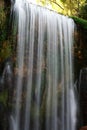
{"x": 57, "y": 4}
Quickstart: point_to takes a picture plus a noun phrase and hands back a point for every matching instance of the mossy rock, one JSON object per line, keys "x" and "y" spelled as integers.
{"x": 3, "y": 97}
{"x": 81, "y": 22}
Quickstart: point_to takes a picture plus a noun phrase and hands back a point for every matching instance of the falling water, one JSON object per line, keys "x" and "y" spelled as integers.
{"x": 44, "y": 95}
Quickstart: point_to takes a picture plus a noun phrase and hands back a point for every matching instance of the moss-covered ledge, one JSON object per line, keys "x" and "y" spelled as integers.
{"x": 81, "y": 22}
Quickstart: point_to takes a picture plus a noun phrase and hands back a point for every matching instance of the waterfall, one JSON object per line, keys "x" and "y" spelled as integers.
{"x": 44, "y": 87}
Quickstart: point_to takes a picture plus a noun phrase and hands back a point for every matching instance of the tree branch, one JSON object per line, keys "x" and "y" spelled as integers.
{"x": 57, "y": 4}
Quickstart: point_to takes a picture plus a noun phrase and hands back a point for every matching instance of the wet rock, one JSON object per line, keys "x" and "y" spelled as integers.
{"x": 83, "y": 96}
{"x": 1, "y": 84}
{"x": 2, "y": 111}
{"x": 83, "y": 128}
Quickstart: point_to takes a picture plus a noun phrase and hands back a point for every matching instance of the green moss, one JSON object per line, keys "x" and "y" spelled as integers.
{"x": 3, "y": 32}
{"x": 3, "y": 97}
{"x": 5, "y": 50}
{"x": 80, "y": 21}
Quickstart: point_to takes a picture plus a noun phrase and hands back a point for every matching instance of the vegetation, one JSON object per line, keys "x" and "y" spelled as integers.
{"x": 5, "y": 52}
{"x": 2, "y": 24}
{"x": 3, "y": 98}
{"x": 5, "y": 44}
{"x": 79, "y": 21}
{"x": 83, "y": 11}
{"x": 67, "y": 7}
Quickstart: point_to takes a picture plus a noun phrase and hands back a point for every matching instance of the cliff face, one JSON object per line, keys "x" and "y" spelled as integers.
{"x": 80, "y": 46}
{"x": 7, "y": 2}
{"x": 84, "y": 128}
{"x": 80, "y": 66}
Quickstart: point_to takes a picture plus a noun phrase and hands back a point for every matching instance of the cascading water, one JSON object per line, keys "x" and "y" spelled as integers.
{"x": 44, "y": 98}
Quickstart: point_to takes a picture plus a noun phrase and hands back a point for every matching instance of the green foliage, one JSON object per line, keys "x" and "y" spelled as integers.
{"x": 83, "y": 11}
{"x": 5, "y": 50}
{"x": 66, "y": 7}
{"x": 2, "y": 24}
{"x": 5, "y": 45}
{"x": 80, "y": 21}
{"x": 2, "y": 16}
{"x": 63, "y": 1}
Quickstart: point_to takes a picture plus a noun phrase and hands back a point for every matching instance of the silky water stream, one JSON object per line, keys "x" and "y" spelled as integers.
{"x": 44, "y": 89}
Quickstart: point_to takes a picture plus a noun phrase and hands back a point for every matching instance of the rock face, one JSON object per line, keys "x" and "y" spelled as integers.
{"x": 84, "y": 128}
{"x": 83, "y": 96}
{"x": 1, "y": 3}
{"x": 7, "y": 2}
